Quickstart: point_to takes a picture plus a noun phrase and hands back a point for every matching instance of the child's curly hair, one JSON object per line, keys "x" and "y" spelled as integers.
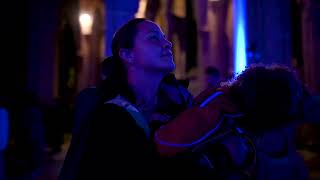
{"x": 268, "y": 95}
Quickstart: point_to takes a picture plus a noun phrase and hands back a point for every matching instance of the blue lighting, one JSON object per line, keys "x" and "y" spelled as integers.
{"x": 4, "y": 126}
{"x": 240, "y": 36}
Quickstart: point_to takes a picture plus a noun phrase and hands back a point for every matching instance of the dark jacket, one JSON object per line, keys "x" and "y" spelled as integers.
{"x": 118, "y": 129}
{"x": 115, "y": 147}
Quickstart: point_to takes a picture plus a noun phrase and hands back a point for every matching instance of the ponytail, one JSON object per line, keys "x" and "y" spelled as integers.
{"x": 116, "y": 82}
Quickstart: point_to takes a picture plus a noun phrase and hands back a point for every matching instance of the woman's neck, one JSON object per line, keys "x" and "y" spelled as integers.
{"x": 145, "y": 86}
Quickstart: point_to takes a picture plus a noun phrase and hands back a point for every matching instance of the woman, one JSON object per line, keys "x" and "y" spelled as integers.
{"x": 118, "y": 143}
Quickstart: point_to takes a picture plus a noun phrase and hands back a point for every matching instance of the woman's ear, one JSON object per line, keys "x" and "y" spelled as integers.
{"x": 126, "y": 55}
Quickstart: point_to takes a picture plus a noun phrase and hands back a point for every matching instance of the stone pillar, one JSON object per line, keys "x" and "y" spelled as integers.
{"x": 269, "y": 31}
{"x": 117, "y": 13}
{"x": 213, "y": 42}
{"x": 311, "y": 43}
{"x": 220, "y": 49}
{"x": 309, "y": 133}
{"x": 201, "y": 15}
{"x": 91, "y": 46}
{"x": 43, "y": 27}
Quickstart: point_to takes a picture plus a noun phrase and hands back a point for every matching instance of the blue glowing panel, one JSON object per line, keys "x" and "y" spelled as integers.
{"x": 240, "y": 36}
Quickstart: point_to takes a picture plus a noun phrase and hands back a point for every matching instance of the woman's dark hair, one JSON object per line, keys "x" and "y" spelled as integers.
{"x": 123, "y": 38}
{"x": 268, "y": 95}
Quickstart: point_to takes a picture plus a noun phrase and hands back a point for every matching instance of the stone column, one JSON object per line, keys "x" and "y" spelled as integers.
{"x": 311, "y": 43}
{"x": 213, "y": 43}
{"x": 220, "y": 49}
{"x": 309, "y": 133}
{"x": 91, "y": 46}
{"x": 201, "y": 15}
{"x": 117, "y": 12}
{"x": 269, "y": 31}
{"x": 43, "y": 27}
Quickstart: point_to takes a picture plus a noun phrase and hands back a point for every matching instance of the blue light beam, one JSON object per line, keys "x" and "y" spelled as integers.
{"x": 240, "y": 36}
{"x": 4, "y": 128}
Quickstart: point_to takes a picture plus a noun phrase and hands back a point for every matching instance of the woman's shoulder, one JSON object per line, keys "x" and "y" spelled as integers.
{"x": 111, "y": 111}
{"x": 136, "y": 117}
{"x": 112, "y": 114}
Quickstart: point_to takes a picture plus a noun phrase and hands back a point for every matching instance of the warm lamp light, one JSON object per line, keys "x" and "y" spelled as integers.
{"x": 86, "y": 22}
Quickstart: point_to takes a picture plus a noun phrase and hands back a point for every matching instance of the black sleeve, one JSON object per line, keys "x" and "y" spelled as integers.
{"x": 116, "y": 147}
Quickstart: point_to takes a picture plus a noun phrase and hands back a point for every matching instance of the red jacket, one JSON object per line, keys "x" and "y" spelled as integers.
{"x": 195, "y": 124}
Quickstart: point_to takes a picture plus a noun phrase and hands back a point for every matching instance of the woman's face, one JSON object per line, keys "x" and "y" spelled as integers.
{"x": 151, "y": 50}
